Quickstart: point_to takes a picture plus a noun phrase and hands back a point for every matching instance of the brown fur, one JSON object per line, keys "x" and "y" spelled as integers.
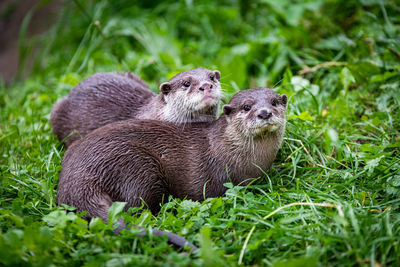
{"x": 109, "y": 97}
{"x": 137, "y": 160}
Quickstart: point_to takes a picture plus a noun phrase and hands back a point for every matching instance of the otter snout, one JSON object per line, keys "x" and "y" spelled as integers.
{"x": 206, "y": 87}
{"x": 264, "y": 115}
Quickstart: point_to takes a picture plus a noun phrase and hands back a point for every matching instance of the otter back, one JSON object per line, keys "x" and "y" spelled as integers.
{"x": 144, "y": 160}
{"x": 191, "y": 96}
{"x": 100, "y": 99}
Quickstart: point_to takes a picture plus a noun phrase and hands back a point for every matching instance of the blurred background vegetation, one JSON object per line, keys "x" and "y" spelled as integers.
{"x": 337, "y": 60}
{"x": 252, "y": 42}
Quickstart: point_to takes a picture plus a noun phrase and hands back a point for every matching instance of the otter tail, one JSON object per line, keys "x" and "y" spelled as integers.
{"x": 173, "y": 239}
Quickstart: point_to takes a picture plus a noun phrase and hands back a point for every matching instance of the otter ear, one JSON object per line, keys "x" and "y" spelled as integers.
{"x": 284, "y": 99}
{"x": 217, "y": 74}
{"x": 227, "y": 109}
{"x": 165, "y": 88}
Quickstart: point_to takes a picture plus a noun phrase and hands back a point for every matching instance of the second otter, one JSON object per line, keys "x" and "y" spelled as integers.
{"x": 138, "y": 160}
{"x": 190, "y": 96}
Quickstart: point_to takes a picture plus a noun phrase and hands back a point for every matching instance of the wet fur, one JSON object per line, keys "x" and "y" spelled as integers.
{"x": 109, "y": 97}
{"x": 147, "y": 160}
{"x": 98, "y": 100}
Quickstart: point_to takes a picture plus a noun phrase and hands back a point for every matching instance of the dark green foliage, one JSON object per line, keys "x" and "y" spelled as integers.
{"x": 339, "y": 64}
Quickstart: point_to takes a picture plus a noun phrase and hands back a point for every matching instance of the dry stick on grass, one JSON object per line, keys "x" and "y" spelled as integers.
{"x": 308, "y": 153}
{"x": 394, "y": 52}
{"x": 327, "y": 205}
{"x": 306, "y": 69}
{"x": 338, "y": 162}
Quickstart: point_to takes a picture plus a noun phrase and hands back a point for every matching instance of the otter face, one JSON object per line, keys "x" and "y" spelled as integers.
{"x": 192, "y": 93}
{"x": 256, "y": 112}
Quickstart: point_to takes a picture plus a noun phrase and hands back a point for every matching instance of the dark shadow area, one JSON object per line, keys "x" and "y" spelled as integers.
{"x": 12, "y": 14}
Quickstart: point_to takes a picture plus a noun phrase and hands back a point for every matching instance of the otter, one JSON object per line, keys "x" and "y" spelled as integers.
{"x": 103, "y": 98}
{"x": 147, "y": 160}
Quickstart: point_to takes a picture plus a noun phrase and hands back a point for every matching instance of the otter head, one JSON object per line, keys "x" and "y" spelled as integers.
{"x": 256, "y": 113}
{"x": 192, "y": 95}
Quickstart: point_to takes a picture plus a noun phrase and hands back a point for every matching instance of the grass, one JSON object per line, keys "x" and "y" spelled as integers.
{"x": 333, "y": 194}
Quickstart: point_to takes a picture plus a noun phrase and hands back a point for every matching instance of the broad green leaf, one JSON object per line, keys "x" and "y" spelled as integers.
{"x": 304, "y": 116}
{"x": 393, "y": 185}
{"x": 115, "y": 211}
{"x": 362, "y": 71}
{"x": 383, "y": 77}
{"x": 210, "y": 257}
{"x": 299, "y": 83}
{"x": 59, "y": 218}
{"x": 346, "y": 78}
{"x": 372, "y": 164}
{"x": 71, "y": 79}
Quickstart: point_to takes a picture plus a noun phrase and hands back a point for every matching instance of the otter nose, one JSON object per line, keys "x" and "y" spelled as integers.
{"x": 264, "y": 115}
{"x": 206, "y": 87}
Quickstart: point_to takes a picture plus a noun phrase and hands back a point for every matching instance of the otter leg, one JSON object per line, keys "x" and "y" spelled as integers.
{"x": 96, "y": 204}
{"x": 175, "y": 239}
{"x": 143, "y": 180}
{"x": 147, "y": 183}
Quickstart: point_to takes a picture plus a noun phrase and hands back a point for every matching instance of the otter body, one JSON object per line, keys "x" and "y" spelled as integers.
{"x": 148, "y": 160}
{"x": 191, "y": 96}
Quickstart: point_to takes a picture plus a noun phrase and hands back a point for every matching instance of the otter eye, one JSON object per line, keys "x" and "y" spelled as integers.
{"x": 274, "y": 102}
{"x": 212, "y": 77}
{"x": 246, "y": 107}
{"x": 186, "y": 84}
